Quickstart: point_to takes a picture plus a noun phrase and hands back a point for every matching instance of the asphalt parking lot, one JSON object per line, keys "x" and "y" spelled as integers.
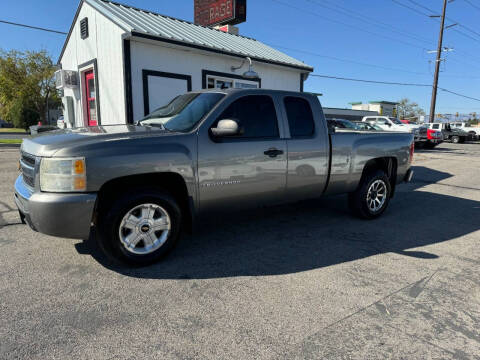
{"x": 303, "y": 281}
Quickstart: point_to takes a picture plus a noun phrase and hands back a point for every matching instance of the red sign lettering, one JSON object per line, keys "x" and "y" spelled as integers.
{"x": 219, "y": 12}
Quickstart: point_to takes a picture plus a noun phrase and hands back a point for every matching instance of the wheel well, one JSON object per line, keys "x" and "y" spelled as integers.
{"x": 387, "y": 164}
{"x": 173, "y": 183}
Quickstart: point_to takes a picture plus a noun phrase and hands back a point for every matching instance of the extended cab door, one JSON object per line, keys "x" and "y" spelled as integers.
{"x": 308, "y": 147}
{"x": 248, "y": 169}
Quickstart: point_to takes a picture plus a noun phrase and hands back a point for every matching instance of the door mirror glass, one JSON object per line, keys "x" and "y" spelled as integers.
{"x": 226, "y": 127}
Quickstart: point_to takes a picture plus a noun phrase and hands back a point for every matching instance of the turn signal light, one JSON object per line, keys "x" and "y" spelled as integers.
{"x": 79, "y": 167}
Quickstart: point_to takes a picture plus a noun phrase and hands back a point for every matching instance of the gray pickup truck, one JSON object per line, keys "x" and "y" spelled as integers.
{"x": 139, "y": 185}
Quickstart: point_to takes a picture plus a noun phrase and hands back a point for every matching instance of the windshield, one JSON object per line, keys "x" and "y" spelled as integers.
{"x": 183, "y": 112}
{"x": 396, "y": 121}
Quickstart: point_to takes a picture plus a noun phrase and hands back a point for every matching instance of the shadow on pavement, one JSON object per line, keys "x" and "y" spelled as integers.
{"x": 311, "y": 235}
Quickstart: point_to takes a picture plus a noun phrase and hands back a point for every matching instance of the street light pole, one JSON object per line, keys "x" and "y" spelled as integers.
{"x": 437, "y": 64}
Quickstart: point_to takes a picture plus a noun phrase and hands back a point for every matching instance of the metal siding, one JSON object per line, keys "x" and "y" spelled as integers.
{"x": 169, "y": 28}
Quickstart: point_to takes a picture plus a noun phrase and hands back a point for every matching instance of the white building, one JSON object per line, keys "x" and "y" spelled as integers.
{"x": 383, "y": 108}
{"x": 124, "y": 62}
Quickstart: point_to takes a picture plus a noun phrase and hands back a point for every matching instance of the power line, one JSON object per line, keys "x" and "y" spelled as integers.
{"x": 392, "y": 83}
{"x": 428, "y": 15}
{"x": 411, "y": 8}
{"x": 366, "y": 19}
{"x": 461, "y": 95}
{"x": 33, "y": 27}
{"x": 346, "y": 24}
{"x": 370, "y": 81}
{"x": 347, "y": 60}
{"x": 472, "y": 4}
{"x": 456, "y": 30}
{"x": 448, "y": 18}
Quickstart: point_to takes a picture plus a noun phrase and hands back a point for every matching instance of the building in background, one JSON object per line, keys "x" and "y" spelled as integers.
{"x": 119, "y": 63}
{"x": 383, "y": 108}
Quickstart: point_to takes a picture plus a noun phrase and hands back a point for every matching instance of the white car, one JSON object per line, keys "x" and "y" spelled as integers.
{"x": 469, "y": 129}
{"x": 389, "y": 123}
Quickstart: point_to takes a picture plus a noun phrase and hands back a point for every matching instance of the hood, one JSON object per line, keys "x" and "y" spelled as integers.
{"x": 48, "y": 143}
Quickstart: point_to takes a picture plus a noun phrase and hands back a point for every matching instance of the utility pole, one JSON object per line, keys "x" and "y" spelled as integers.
{"x": 437, "y": 64}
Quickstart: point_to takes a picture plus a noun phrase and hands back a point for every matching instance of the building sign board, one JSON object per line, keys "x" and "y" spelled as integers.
{"x": 220, "y": 12}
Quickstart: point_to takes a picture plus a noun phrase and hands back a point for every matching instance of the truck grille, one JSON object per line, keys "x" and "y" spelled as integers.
{"x": 27, "y": 166}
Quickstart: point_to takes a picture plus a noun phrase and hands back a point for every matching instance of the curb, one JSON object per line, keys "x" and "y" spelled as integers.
{"x": 11, "y": 146}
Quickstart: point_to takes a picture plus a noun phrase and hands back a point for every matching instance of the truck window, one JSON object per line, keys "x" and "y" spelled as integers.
{"x": 300, "y": 117}
{"x": 256, "y": 116}
{"x": 436, "y": 126}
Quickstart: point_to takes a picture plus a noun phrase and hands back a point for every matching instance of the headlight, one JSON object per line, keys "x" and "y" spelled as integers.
{"x": 63, "y": 175}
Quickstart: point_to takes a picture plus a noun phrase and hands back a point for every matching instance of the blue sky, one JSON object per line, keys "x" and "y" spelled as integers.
{"x": 375, "y": 39}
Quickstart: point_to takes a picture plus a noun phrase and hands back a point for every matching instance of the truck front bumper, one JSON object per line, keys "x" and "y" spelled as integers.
{"x": 56, "y": 214}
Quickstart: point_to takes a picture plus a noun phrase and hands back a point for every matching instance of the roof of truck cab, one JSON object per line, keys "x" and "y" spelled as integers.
{"x": 151, "y": 25}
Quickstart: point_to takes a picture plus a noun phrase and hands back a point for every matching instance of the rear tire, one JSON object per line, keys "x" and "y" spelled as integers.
{"x": 372, "y": 196}
{"x": 455, "y": 139}
{"x": 139, "y": 228}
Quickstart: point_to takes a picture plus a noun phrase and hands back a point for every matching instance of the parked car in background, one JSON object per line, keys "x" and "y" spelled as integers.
{"x": 341, "y": 124}
{"x": 203, "y": 153}
{"x": 367, "y": 126}
{"x": 389, "y": 123}
{"x": 450, "y": 133}
{"x": 5, "y": 124}
{"x": 37, "y": 129}
{"x": 427, "y": 138}
{"x": 473, "y": 131}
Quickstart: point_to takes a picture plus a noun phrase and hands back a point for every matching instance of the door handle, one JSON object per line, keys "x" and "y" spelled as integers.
{"x": 273, "y": 152}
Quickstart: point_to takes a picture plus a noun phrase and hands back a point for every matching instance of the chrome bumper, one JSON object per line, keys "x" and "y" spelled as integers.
{"x": 61, "y": 215}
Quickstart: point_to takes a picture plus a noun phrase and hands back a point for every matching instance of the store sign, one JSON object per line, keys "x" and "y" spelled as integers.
{"x": 220, "y": 12}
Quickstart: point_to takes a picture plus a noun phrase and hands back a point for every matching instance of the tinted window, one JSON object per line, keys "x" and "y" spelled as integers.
{"x": 436, "y": 126}
{"x": 255, "y": 115}
{"x": 300, "y": 117}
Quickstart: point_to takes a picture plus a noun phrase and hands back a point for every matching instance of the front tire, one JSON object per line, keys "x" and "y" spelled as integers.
{"x": 140, "y": 227}
{"x": 455, "y": 139}
{"x": 372, "y": 196}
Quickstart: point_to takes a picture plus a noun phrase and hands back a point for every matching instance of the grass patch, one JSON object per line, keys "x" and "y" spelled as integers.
{"x": 12, "y": 130}
{"x": 11, "y": 141}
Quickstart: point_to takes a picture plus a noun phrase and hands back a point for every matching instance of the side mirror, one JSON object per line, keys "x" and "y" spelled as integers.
{"x": 387, "y": 123}
{"x": 226, "y": 127}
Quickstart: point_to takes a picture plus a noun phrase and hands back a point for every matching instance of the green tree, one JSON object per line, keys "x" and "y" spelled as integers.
{"x": 27, "y": 87}
{"x": 409, "y": 110}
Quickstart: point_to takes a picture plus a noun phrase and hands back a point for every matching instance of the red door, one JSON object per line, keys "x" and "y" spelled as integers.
{"x": 90, "y": 97}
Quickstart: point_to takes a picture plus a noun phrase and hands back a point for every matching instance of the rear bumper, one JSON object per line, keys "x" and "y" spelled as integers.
{"x": 62, "y": 215}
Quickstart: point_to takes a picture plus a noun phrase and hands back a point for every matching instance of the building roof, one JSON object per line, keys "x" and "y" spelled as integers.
{"x": 144, "y": 23}
{"x": 383, "y": 102}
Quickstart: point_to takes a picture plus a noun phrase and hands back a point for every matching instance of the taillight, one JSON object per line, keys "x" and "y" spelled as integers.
{"x": 412, "y": 151}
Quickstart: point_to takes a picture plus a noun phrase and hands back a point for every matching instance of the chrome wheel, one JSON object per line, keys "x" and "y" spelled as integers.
{"x": 376, "y": 195}
{"x": 145, "y": 229}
